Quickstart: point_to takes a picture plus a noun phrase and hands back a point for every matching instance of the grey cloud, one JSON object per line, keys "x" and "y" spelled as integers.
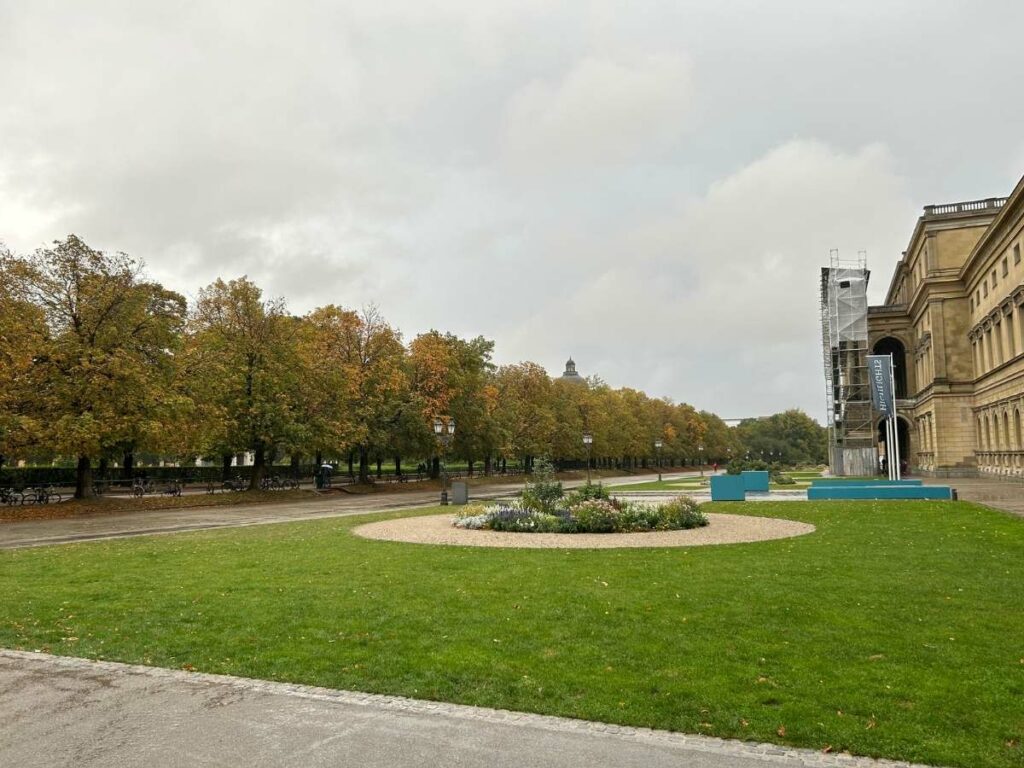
{"x": 649, "y": 188}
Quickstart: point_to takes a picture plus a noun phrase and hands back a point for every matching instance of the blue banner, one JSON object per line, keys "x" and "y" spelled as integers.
{"x": 880, "y": 376}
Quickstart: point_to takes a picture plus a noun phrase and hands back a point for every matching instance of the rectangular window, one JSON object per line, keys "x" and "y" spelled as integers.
{"x": 984, "y": 288}
{"x": 993, "y": 279}
{"x": 1016, "y": 254}
{"x": 1006, "y": 268}
{"x": 972, "y": 303}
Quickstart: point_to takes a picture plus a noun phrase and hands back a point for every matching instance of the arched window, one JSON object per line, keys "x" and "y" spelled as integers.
{"x": 1006, "y": 431}
{"x": 1016, "y": 429}
{"x": 894, "y": 347}
{"x": 981, "y": 435}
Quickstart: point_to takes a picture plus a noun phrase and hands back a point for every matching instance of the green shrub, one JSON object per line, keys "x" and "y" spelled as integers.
{"x": 596, "y": 516}
{"x": 585, "y": 493}
{"x": 680, "y": 513}
{"x": 543, "y": 492}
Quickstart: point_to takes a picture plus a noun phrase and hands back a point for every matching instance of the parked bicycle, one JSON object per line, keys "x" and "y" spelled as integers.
{"x": 41, "y": 495}
{"x": 11, "y": 497}
{"x": 278, "y": 483}
{"x": 141, "y": 486}
{"x": 172, "y": 488}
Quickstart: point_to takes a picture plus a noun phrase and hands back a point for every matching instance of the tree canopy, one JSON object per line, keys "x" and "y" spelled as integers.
{"x": 97, "y": 361}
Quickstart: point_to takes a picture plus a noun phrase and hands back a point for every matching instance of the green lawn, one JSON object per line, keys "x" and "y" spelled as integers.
{"x": 664, "y": 485}
{"x": 896, "y": 629}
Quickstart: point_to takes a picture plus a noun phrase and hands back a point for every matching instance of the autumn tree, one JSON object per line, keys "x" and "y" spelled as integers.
{"x": 452, "y": 377}
{"x": 329, "y": 395}
{"x": 22, "y": 332}
{"x": 373, "y": 357}
{"x": 101, "y": 376}
{"x": 523, "y": 418}
{"x": 245, "y": 371}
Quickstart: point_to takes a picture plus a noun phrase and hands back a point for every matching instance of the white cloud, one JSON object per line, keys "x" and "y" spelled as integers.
{"x": 717, "y": 300}
{"x": 603, "y": 111}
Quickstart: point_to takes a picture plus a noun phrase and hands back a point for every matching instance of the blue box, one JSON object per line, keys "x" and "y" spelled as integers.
{"x": 755, "y": 480}
{"x": 728, "y": 488}
{"x": 879, "y": 492}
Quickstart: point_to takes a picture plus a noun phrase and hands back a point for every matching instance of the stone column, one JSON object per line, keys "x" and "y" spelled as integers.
{"x": 1017, "y": 318}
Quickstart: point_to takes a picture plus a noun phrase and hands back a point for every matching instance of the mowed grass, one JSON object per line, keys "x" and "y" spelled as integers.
{"x": 896, "y": 629}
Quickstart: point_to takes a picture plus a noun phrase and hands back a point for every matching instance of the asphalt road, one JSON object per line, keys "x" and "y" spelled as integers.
{"x": 34, "y": 533}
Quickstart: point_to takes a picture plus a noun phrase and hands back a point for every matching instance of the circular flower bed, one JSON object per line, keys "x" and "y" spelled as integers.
{"x": 587, "y": 510}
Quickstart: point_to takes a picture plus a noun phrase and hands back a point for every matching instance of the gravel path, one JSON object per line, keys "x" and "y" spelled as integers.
{"x": 723, "y": 529}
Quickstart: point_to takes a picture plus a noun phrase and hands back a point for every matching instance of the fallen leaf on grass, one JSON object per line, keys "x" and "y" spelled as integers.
{"x": 781, "y": 730}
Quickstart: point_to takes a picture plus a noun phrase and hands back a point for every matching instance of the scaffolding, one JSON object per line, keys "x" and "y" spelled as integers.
{"x": 844, "y": 337}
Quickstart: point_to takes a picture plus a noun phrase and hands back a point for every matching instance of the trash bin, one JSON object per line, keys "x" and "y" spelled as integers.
{"x": 460, "y": 492}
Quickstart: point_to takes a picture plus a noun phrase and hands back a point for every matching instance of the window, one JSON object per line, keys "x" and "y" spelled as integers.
{"x": 993, "y": 279}
{"x": 972, "y": 303}
{"x": 984, "y": 288}
{"x": 1016, "y": 254}
{"x": 977, "y": 300}
{"x": 1006, "y": 267}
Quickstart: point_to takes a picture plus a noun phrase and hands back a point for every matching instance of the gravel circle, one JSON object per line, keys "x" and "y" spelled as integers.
{"x": 723, "y": 529}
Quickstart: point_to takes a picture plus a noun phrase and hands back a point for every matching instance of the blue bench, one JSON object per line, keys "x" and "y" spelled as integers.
{"x": 840, "y": 482}
{"x": 754, "y": 480}
{"x": 728, "y": 488}
{"x": 879, "y": 492}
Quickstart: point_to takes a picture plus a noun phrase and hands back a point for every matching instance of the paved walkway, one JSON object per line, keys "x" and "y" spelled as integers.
{"x": 60, "y": 711}
{"x": 34, "y": 533}
{"x": 1007, "y": 495}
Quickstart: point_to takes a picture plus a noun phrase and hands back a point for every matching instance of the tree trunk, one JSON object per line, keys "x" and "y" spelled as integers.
{"x": 379, "y": 463}
{"x": 504, "y": 465}
{"x": 350, "y": 459}
{"x": 295, "y": 462}
{"x": 259, "y": 459}
{"x": 364, "y": 465}
{"x": 435, "y": 468}
{"x": 317, "y": 461}
{"x": 83, "y": 479}
{"x": 470, "y": 467}
{"x": 398, "y": 466}
{"x": 225, "y": 463}
{"x": 128, "y": 465}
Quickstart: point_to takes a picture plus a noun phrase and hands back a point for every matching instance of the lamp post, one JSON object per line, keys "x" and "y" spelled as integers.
{"x": 444, "y": 431}
{"x": 700, "y": 452}
{"x": 588, "y": 440}
{"x": 657, "y": 445}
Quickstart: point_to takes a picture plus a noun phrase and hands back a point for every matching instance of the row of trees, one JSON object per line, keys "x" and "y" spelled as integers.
{"x": 97, "y": 362}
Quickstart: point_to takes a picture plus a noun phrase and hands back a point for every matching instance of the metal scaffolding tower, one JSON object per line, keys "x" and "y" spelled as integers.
{"x": 844, "y": 337}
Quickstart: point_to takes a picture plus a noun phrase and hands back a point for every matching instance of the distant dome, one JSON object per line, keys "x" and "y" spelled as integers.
{"x": 570, "y": 372}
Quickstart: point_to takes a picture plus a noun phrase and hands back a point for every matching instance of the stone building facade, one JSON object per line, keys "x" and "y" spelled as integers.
{"x": 953, "y": 319}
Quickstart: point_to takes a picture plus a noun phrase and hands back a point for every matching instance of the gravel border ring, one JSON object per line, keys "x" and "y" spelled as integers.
{"x": 723, "y": 529}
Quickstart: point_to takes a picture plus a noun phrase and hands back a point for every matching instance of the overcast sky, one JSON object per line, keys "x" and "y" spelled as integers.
{"x": 649, "y": 187}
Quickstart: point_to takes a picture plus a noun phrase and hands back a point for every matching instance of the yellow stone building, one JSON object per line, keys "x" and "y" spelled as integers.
{"x": 953, "y": 319}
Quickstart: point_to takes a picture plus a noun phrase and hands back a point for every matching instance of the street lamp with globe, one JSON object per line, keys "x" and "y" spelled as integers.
{"x": 700, "y": 452}
{"x": 445, "y": 432}
{"x": 657, "y": 445}
{"x": 588, "y": 440}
